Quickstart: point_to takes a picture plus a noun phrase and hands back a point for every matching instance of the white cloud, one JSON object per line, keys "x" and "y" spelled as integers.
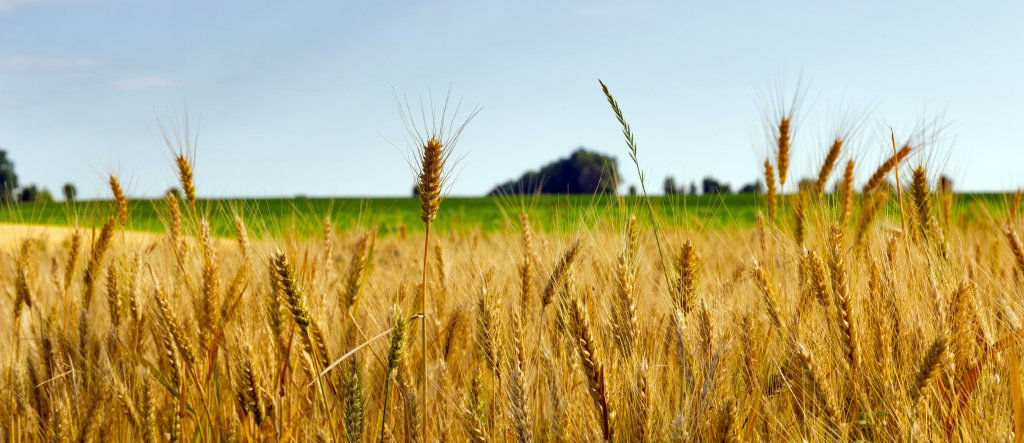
{"x": 43, "y": 63}
{"x": 141, "y": 82}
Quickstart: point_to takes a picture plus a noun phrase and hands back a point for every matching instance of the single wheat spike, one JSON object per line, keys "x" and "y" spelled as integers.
{"x": 678, "y": 334}
{"x": 442, "y": 271}
{"x": 846, "y": 194}
{"x": 828, "y": 164}
{"x": 770, "y": 196}
{"x": 819, "y": 279}
{"x": 23, "y": 293}
{"x": 242, "y": 237}
{"x": 357, "y": 269}
{"x": 517, "y": 390}
{"x": 209, "y": 313}
{"x": 99, "y": 250}
{"x": 295, "y": 300}
{"x": 275, "y": 311}
{"x": 113, "y": 296}
{"x": 395, "y": 352}
{"x": 251, "y": 388}
{"x": 451, "y": 333}
{"x": 922, "y": 206}
{"x": 487, "y": 328}
{"x": 884, "y": 168}
{"x": 819, "y": 387}
{"x": 174, "y": 328}
{"x": 432, "y": 161}
{"x": 625, "y": 285}
{"x": 288, "y": 286}
{"x": 688, "y": 266}
{"x": 705, "y": 334}
{"x": 768, "y": 295}
{"x": 844, "y": 302}
{"x": 800, "y": 218}
{"x": 1016, "y": 247}
{"x": 641, "y": 402}
{"x": 558, "y": 275}
{"x": 928, "y": 368}
{"x": 413, "y": 416}
{"x": 72, "y": 262}
{"x": 135, "y": 288}
{"x": 185, "y": 177}
{"x": 355, "y": 406}
{"x": 174, "y": 222}
{"x": 319, "y": 342}
{"x": 963, "y": 327}
{"x": 592, "y": 369}
{"x": 783, "y": 150}
{"x": 120, "y": 200}
{"x": 327, "y": 251}
{"x": 529, "y": 260}
{"x": 147, "y": 417}
{"x": 625, "y": 305}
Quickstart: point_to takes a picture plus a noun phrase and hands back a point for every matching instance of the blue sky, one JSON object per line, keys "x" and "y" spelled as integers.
{"x": 296, "y": 97}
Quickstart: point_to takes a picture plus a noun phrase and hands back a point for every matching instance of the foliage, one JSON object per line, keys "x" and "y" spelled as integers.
{"x": 8, "y": 178}
{"x": 583, "y": 172}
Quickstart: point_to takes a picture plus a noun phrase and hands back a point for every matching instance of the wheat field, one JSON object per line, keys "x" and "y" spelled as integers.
{"x": 836, "y": 318}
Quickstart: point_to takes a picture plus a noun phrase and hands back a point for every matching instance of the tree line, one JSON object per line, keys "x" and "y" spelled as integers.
{"x": 11, "y": 191}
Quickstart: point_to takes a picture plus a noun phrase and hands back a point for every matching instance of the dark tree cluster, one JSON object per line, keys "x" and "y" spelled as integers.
{"x": 583, "y": 172}
{"x": 669, "y": 187}
{"x": 10, "y": 191}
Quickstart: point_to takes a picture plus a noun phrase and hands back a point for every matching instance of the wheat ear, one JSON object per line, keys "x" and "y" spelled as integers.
{"x": 828, "y": 164}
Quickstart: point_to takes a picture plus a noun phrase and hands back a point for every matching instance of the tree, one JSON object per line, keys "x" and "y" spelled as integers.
{"x": 693, "y": 188}
{"x": 632, "y": 190}
{"x": 45, "y": 196}
{"x": 8, "y": 178}
{"x": 33, "y": 194}
{"x": 752, "y": 188}
{"x": 670, "y": 185}
{"x": 583, "y": 172}
{"x": 70, "y": 192}
{"x": 175, "y": 191}
{"x": 712, "y": 186}
{"x": 945, "y": 184}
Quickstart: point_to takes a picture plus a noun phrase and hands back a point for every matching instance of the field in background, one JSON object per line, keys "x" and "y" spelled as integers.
{"x": 273, "y": 217}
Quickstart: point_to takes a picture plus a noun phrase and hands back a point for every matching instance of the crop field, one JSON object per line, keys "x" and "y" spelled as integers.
{"x": 866, "y": 314}
{"x": 564, "y": 214}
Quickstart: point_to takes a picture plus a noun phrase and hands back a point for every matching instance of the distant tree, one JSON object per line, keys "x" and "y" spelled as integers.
{"x": 693, "y": 188}
{"x": 70, "y": 192}
{"x": 945, "y": 184}
{"x": 669, "y": 186}
{"x": 45, "y": 196}
{"x": 752, "y": 188}
{"x": 632, "y": 190}
{"x": 415, "y": 190}
{"x": 583, "y": 172}
{"x": 713, "y": 186}
{"x": 175, "y": 192}
{"x": 8, "y": 178}
{"x": 33, "y": 194}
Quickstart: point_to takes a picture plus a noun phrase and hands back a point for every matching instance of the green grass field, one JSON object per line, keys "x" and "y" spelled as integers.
{"x": 553, "y": 213}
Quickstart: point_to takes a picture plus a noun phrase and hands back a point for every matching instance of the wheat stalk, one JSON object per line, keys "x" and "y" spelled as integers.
{"x": 828, "y": 164}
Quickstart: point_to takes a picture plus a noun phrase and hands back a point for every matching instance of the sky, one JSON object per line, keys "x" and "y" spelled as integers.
{"x": 298, "y": 98}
